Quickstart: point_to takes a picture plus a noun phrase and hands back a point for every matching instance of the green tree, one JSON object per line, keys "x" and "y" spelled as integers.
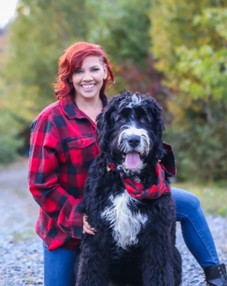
{"x": 189, "y": 42}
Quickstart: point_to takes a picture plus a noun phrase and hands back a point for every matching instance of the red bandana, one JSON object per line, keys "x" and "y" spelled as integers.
{"x": 137, "y": 191}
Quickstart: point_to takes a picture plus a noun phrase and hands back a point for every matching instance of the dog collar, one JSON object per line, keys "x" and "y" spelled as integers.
{"x": 111, "y": 166}
{"x": 137, "y": 190}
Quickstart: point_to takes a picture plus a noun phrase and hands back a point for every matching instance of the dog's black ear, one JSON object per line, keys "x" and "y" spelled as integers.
{"x": 154, "y": 111}
{"x": 103, "y": 126}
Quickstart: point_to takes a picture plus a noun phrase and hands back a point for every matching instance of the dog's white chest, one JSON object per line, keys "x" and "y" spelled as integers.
{"x": 124, "y": 223}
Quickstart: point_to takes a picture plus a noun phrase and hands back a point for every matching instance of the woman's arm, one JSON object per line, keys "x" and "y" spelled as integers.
{"x": 44, "y": 172}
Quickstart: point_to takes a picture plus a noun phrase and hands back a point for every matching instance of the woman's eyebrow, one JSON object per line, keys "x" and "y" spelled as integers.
{"x": 95, "y": 66}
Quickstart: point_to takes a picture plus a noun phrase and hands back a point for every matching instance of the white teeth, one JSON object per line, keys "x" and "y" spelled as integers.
{"x": 88, "y": 85}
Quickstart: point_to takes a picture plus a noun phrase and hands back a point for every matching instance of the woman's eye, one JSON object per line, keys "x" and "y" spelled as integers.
{"x": 78, "y": 71}
{"x": 95, "y": 69}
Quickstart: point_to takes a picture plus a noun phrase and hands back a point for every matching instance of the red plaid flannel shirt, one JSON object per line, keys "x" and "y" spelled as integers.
{"x": 62, "y": 147}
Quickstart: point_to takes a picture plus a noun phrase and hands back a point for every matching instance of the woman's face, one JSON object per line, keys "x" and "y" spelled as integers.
{"x": 88, "y": 80}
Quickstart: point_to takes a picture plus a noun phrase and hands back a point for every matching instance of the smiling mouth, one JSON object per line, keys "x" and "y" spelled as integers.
{"x": 88, "y": 86}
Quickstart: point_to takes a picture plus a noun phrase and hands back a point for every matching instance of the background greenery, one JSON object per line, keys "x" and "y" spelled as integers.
{"x": 174, "y": 50}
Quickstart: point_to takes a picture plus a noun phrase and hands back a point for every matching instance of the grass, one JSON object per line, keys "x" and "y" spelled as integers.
{"x": 22, "y": 161}
{"x": 213, "y": 195}
{"x": 23, "y": 235}
{"x": 21, "y": 192}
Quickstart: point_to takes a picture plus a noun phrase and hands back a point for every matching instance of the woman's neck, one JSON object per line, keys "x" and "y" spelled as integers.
{"x": 90, "y": 106}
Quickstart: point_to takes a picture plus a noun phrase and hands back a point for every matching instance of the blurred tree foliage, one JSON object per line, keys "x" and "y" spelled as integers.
{"x": 9, "y": 142}
{"x": 190, "y": 43}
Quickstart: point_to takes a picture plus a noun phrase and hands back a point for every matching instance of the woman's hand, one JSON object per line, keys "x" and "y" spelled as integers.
{"x": 86, "y": 226}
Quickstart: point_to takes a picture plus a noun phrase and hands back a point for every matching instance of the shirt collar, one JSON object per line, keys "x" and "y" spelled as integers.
{"x": 72, "y": 111}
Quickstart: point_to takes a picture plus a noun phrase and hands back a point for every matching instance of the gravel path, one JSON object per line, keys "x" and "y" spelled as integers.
{"x": 21, "y": 261}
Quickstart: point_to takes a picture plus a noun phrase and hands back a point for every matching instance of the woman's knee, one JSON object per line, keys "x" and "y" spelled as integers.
{"x": 186, "y": 202}
{"x": 194, "y": 202}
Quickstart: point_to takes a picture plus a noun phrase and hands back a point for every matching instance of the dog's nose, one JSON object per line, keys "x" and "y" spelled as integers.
{"x": 134, "y": 140}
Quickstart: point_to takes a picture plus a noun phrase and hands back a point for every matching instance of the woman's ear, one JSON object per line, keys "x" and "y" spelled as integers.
{"x": 105, "y": 72}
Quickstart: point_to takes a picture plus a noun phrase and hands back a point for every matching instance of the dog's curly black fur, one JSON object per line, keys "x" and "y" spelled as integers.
{"x": 135, "y": 239}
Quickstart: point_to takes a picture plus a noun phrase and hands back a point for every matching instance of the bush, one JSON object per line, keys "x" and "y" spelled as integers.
{"x": 9, "y": 143}
{"x": 8, "y": 148}
{"x": 200, "y": 140}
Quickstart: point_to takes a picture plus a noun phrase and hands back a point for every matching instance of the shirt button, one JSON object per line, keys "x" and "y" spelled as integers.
{"x": 82, "y": 143}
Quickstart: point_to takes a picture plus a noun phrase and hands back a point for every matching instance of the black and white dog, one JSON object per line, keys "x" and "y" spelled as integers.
{"x": 128, "y": 201}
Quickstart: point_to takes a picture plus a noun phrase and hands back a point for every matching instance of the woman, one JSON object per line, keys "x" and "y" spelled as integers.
{"x": 63, "y": 145}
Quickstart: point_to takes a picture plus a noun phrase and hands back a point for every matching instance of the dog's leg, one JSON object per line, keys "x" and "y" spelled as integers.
{"x": 157, "y": 262}
{"x": 177, "y": 261}
{"x": 94, "y": 261}
{"x": 158, "y": 245}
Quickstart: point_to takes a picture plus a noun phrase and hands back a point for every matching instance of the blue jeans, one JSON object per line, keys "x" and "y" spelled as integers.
{"x": 59, "y": 267}
{"x": 195, "y": 230}
{"x": 59, "y": 264}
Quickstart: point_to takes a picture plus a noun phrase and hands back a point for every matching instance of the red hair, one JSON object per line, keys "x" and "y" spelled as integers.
{"x": 72, "y": 60}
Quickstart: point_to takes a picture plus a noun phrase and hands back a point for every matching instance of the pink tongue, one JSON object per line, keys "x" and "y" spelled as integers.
{"x": 132, "y": 160}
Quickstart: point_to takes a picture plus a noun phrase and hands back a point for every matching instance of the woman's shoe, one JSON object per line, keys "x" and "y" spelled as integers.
{"x": 216, "y": 275}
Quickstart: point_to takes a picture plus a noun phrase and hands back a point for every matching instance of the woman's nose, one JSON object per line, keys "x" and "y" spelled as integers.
{"x": 87, "y": 76}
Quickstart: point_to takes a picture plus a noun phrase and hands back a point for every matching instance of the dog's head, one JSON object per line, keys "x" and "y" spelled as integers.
{"x": 130, "y": 130}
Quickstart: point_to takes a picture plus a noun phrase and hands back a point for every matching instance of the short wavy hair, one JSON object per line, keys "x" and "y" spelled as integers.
{"x": 72, "y": 60}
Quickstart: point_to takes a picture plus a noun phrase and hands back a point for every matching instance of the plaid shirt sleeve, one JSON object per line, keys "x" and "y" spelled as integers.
{"x": 44, "y": 172}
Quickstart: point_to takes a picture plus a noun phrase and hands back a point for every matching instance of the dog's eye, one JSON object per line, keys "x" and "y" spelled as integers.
{"x": 143, "y": 119}
{"x": 121, "y": 119}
